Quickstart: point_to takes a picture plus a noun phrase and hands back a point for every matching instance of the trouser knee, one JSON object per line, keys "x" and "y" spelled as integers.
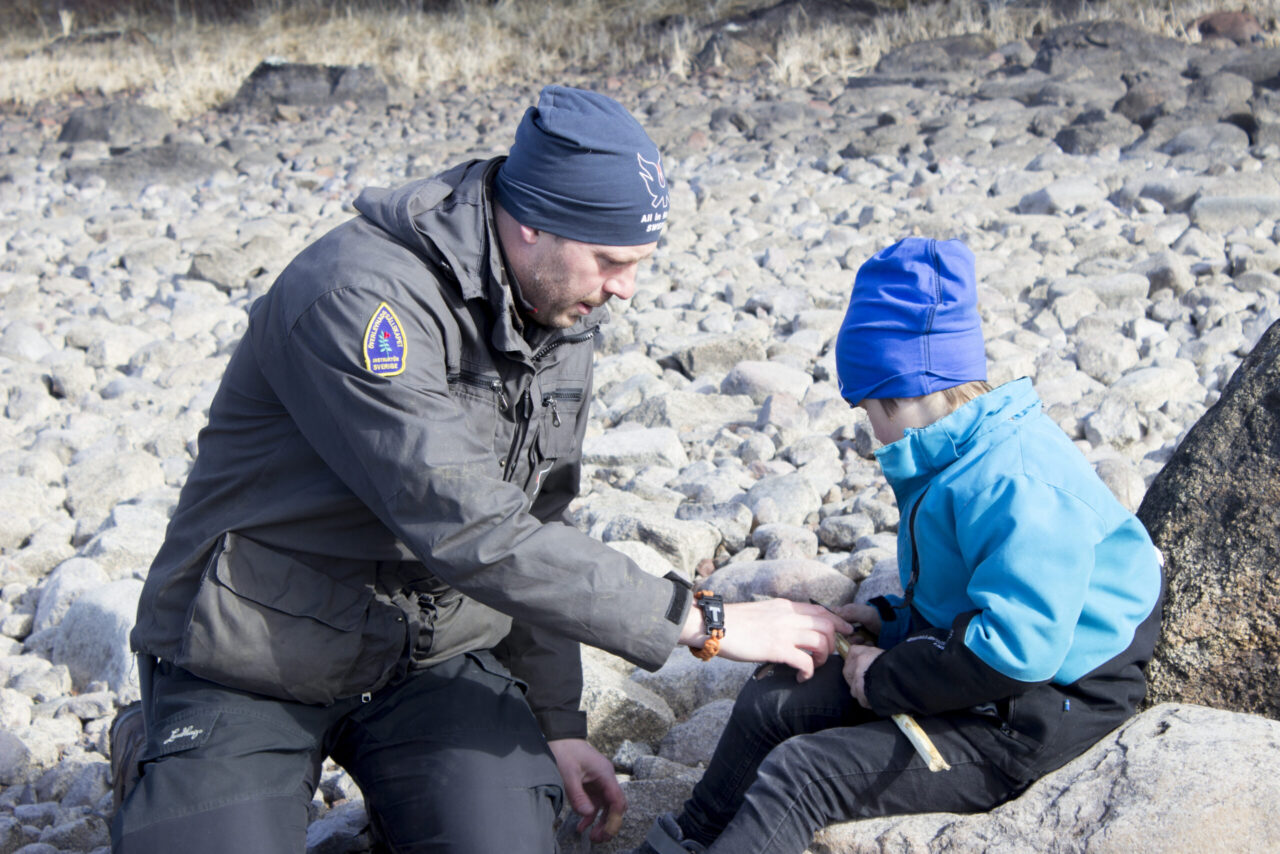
{"x": 776, "y": 707}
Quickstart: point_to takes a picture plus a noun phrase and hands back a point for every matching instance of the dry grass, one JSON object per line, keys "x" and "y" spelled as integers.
{"x": 187, "y": 66}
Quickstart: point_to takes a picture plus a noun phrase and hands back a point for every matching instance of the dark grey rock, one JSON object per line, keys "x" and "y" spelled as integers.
{"x": 273, "y": 84}
{"x": 176, "y": 163}
{"x": 1214, "y": 510}
{"x": 974, "y": 53}
{"x": 1103, "y": 44}
{"x": 1094, "y": 130}
{"x": 122, "y": 123}
{"x": 1151, "y": 96}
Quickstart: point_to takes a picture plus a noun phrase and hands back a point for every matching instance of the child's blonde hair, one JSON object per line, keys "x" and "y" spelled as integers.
{"x": 956, "y": 396}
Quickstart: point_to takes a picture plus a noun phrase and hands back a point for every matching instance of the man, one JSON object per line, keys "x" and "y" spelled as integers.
{"x": 367, "y": 560}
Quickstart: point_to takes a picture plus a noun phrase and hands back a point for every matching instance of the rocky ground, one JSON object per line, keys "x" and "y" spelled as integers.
{"x": 1121, "y": 193}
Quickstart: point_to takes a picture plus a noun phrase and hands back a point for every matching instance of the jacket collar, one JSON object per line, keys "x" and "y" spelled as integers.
{"x": 449, "y": 219}
{"x": 923, "y": 452}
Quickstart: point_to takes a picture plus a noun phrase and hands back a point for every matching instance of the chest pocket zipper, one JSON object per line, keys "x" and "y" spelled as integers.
{"x": 489, "y": 382}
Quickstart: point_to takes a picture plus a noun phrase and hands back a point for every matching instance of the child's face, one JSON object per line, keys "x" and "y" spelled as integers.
{"x": 910, "y": 412}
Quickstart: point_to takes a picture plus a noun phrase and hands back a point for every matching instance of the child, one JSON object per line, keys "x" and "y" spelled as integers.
{"x": 1031, "y": 606}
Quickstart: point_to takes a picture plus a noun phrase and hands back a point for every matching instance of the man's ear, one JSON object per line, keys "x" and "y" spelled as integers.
{"x": 529, "y": 235}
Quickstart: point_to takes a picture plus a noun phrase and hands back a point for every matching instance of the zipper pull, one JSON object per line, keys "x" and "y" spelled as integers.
{"x": 550, "y": 400}
{"x": 503, "y": 403}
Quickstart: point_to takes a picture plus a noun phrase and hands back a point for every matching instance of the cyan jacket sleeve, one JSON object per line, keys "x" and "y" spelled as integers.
{"x": 405, "y": 449}
{"x": 1031, "y": 547}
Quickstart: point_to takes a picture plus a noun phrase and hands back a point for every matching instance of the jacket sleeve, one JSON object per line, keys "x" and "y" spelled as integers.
{"x": 1031, "y": 546}
{"x": 551, "y": 665}
{"x": 548, "y": 662}
{"x": 405, "y": 449}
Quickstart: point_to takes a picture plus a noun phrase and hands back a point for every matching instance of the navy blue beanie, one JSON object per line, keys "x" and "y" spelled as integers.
{"x": 912, "y": 327}
{"x": 583, "y": 168}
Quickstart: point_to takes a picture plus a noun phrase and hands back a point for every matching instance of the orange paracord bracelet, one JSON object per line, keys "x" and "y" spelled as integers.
{"x": 712, "y": 646}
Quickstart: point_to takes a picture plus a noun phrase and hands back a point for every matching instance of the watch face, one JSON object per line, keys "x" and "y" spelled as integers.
{"x": 713, "y": 612}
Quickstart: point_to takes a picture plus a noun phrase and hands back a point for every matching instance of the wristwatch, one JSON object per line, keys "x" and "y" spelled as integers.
{"x": 713, "y": 616}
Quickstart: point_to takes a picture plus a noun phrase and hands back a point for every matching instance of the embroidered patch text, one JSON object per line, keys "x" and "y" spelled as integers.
{"x": 384, "y": 343}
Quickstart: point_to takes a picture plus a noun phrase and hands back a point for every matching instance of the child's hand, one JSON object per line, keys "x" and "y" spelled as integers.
{"x": 868, "y": 616}
{"x": 855, "y": 670}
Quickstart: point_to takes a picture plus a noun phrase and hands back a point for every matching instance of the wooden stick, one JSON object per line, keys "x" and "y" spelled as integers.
{"x": 915, "y": 734}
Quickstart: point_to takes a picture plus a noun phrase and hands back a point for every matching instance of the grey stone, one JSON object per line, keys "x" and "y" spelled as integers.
{"x": 841, "y": 532}
{"x": 794, "y": 579}
{"x": 81, "y": 834}
{"x": 343, "y": 829}
{"x": 684, "y": 543}
{"x": 1211, "y": 511}
{"x": 731, "y": 519}
{"x": 1221, "y": 139}
{"x": 1220, "y": 214}
{"x": 689, "y": 412}
{"x": 635, "y": 447}
{"x": 1106, "y": 357}
{"x": 779, "y": 541}
{"x": 719, "y": 353}
{"x": 67, "y": 581}
{"x": 120, "y": 123}
{"x": 758, "y": 380}
{"x": 791, "y": 495}
{"x": 1065, "y": 196}
{"x": 619, "y": 709}
{"x": 687, "y": 683}
{"x": 93, "y": 639}
{"x": 271, "y": 84}
{"x": 172, "y": 163}
{"x": 692, "y": 741}
{"x": 1163, "y": 769}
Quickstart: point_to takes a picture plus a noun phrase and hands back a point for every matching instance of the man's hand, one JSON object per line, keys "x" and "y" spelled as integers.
{"x": 794, "y": 633}
{"x": 868, "y": 616}
{"x": 591, "y": 786}
{"x": 855, "y": 670}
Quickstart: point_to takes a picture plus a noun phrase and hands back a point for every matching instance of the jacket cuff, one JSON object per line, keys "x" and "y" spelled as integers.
{"x": 933, "y": 671}
{"x": 561, "y": 723}
{"x": 895, "y": 620}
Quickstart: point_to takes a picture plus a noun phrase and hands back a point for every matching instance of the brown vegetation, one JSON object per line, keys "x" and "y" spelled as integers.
{"x": 185, "y": 56}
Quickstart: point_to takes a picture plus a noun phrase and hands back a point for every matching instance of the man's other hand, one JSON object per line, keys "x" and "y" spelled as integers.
{"x": 591, "y": 786}
{"x": 794, "y": 633}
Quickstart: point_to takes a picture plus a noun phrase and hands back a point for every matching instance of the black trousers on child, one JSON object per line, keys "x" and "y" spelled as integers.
{"x": 450, "y": 761}
{"x": 797, "y": 757}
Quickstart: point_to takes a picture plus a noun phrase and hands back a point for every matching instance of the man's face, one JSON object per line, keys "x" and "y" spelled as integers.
{"x": 564, "y": 279}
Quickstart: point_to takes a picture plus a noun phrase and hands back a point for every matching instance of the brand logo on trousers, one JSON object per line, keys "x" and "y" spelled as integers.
{"x": 185, "y": 732}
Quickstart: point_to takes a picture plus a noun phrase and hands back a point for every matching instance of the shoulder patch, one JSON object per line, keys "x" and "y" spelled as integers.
{"x": 384, "y": 343}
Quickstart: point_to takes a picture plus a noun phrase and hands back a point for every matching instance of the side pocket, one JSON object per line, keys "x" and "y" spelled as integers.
{"x": 265, "y": 622}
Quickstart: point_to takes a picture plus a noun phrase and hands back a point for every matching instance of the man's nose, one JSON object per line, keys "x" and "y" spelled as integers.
{"x": 622, "y": 285}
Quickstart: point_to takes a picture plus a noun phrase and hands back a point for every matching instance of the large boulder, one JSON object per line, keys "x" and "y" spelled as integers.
{"x": 274, "y": 83}
{"x": 1214, "y": 511}
{"x": 120, "y": 123}
{"x": 1178, "y": 778}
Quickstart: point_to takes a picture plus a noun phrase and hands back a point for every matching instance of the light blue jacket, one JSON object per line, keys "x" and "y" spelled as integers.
{"x": 1014, "y": 524}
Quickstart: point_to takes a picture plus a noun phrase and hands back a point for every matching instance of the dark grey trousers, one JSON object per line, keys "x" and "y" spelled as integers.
{"x": 450, "y": 761}
{"x": 797, "y": 757}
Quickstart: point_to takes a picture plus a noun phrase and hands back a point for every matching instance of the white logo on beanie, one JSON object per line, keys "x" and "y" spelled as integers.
{"x": 650, "y": 172}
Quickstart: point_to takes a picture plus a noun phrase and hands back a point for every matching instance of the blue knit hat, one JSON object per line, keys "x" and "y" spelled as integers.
{"x": 583, "y": 168}
{"x": 912, "y": 327}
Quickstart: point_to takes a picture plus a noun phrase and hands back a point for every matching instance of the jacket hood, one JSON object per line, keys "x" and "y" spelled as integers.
{"x": 444, "y": 217}
{"x": 448, "y": 219}
{"x": 923, "y": 452}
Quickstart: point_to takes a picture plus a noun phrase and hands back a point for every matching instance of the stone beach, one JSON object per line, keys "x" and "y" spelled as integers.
{"x": 1120, "y": 190}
